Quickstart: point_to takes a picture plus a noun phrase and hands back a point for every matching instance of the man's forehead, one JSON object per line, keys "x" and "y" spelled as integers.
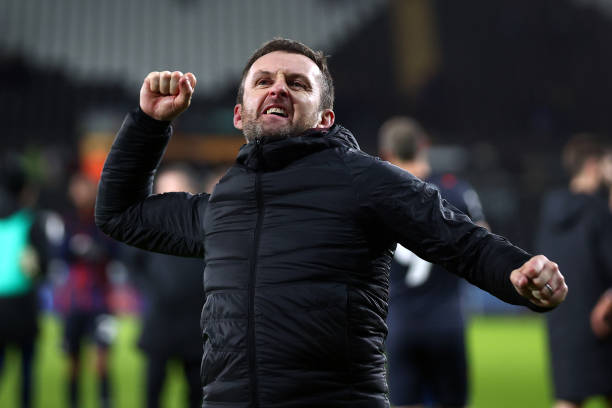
{"x": 285, "y": 62}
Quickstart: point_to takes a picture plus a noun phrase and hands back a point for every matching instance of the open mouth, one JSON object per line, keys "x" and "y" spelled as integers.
{"x": 277, "y": 111}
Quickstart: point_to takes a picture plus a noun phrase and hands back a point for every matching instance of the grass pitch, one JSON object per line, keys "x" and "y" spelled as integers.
{"x": 509, "y": 363}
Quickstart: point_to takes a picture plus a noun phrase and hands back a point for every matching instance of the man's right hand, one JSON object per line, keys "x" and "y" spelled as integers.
{"x": 165, "y": 95}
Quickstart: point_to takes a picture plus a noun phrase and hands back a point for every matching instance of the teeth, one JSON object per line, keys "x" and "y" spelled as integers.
{"x": 277, "y": 110}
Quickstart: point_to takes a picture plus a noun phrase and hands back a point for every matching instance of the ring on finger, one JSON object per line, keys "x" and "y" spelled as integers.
{"x": 550, "y": 289}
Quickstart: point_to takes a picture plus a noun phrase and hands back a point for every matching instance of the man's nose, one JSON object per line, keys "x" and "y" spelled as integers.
{"x": 279, "y": 88}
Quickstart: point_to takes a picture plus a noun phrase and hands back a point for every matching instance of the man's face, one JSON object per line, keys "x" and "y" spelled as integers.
{"x": 82, "y": 191}
{"x": 282, "y": 95}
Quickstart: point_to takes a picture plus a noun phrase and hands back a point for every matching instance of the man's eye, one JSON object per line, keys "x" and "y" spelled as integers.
{"x": 297, "y": 84}
{"x": 262, "y": 82}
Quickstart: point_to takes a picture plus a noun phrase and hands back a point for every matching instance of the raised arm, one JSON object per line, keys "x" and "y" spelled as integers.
{"x": 414, "y": 214}
{"x": 125, "y": 209}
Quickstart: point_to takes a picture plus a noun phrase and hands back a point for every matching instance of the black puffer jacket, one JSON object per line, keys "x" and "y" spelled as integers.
{"x": 297, "y": 238}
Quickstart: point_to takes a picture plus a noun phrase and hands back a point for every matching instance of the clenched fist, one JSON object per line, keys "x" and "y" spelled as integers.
{"x": 540, "y": 281}
{"x": 165, "y": 95}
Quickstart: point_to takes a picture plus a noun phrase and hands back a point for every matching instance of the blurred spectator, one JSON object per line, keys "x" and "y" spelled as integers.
{"x": 174, "y": 296}
{"x": 22, "y": 261}
{"x": 576, "y": 230}
{"x": 425, "y": 344}
{"x": 607, "y": 174}
{"x": 82, "y": 296}
{"x": 601, "y": 316}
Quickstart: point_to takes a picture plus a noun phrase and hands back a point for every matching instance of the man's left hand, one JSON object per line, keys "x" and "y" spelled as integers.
{"x": 601, "y": 316}
{"x": 540, "y": 281}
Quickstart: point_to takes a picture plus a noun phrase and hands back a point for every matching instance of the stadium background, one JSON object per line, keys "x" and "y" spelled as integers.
{"x": 500, "y": 86}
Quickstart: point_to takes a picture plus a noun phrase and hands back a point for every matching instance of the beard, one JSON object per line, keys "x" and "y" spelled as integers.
{"x": 254, "y": 129}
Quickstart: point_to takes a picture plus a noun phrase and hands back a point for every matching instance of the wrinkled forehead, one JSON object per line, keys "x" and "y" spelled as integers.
{"x": 286, "y": 63}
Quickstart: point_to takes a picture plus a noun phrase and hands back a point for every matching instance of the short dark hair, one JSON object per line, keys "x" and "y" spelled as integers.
{"x": 579, "y": 149}
{"x": 294, "y": 47}
{"x": 403, "y": 137}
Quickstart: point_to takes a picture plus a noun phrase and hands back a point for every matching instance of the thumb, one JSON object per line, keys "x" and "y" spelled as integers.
{"x": 145, "y": 89}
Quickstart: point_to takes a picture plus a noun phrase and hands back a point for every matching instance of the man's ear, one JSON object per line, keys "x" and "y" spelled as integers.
{"x": 238, "y": 116}
{"x": 326, "y": 120}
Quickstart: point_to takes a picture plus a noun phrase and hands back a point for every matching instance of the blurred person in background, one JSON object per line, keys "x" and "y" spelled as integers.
{"x": 425, "y": 344}
{"x": 174, "y": 296}
{"x": 576, "y": 229}
{"x": 297, "y": 237}
{"x": 601, "y": 316}
{"x": 23, "y": 261}
{"x": 82, "y": 296}
{"x": 606, "y": 168}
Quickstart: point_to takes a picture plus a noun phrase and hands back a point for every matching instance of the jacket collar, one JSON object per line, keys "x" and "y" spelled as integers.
{"x": 275, "y": 153}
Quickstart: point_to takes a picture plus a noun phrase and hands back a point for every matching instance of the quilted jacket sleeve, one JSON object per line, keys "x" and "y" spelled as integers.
{"x": 169, "y": 223}
{"x": 412, "y": 212}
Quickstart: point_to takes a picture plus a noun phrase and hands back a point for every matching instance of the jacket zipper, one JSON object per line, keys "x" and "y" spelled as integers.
{"x": 252, "y": 281}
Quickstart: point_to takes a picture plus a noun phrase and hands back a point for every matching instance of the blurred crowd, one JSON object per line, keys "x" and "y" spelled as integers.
{"x": 54, "y": 260}
{"x": 425, "y": 346}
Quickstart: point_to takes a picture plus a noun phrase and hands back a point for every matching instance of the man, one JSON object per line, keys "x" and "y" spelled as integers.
{"x": 576, "y": 226}
{"x": 23, "y": 263}
{"x": 83, "y": 298}
{"x": 171, "y": 322}
{"x": 601, "y": 316}
{"x": 425, "y": 344}
{"x": 297, "y": 237}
